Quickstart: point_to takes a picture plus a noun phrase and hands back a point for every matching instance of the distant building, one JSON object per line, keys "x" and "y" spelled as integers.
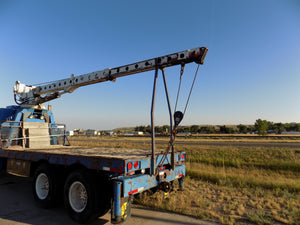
{"x": 78, "y": 132}
{"x": 70, "y": 132}
{"x": 184, "y": 133}
{"x": 110, "y": 133}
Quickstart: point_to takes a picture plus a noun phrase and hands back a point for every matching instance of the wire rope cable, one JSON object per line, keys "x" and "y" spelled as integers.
{"x": 187, "y": 102}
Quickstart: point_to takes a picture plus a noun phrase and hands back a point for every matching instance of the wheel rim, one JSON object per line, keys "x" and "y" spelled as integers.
{"x": 78, "y": 197}
{"x": 42, "y": 186}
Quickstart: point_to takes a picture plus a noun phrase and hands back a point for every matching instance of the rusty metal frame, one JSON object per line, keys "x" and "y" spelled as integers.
{"x": 134, "y": 182}
{"x": 171, "y": 119}
{"x": 152, "y": 168}
{"x": 153, "y": 163}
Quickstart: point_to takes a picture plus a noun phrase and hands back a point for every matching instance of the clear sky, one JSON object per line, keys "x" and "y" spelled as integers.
{"x": 252, "y": 69}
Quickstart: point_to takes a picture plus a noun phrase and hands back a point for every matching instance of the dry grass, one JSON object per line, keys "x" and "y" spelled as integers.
{"x": 245, "y": 157}
{"x": 229, "y": 205}
{"x": 250, "y": 177}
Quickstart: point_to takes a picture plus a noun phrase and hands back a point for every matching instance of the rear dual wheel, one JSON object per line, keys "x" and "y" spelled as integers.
{"x": 78, "y": 196}
{"x": 84, "y": 198}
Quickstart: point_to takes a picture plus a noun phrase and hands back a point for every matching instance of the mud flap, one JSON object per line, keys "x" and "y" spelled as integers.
{"x": 125, "y": 211}
{"x": 165, "y": 195}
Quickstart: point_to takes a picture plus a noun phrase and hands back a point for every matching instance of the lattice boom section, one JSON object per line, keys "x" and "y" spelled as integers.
{"x": 192, "y": 55}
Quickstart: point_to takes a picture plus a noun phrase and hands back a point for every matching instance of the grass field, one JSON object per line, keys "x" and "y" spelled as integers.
{"x": 228, "y": 184}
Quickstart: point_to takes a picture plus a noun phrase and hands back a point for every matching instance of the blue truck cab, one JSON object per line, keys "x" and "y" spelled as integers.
{"x": 13, "y": 117}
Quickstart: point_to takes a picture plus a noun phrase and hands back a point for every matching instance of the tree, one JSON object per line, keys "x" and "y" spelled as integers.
{"x": 242, "y": 129}
{"x": 159, "y": 129}
{"x": 180, "y": 129}
{"x": 294, "y": 127}
{"x": 194, "y": 128}
{"x": 208, "y": 130}
{"x": 226, "y": 130}
{"x": 186, "y": 129}
{"x": 140, "y": 128}
{"x": 211, "y": 130}
{"x": 250, "y": 129}
{"x": 229, "y": 130}
{"x": 262, "y": 127}
{"x": 223, "y": 129}
{"x": 166, "y": 129}
{"x": 148, "y": 129}
{"x": 278, "y": 127}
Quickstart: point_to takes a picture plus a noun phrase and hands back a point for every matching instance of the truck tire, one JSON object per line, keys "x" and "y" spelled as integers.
{"x": 80, "y": 196}
{"x": 45, "y": 186}
{"x": 84, "y": 198}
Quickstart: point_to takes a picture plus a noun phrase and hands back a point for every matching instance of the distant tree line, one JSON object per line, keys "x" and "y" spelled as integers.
{"x": 261, "y": 127}
{"x": 165, "y": 129}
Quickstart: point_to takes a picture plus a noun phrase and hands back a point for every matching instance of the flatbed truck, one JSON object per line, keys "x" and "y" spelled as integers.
{"x": 90, "y": 181}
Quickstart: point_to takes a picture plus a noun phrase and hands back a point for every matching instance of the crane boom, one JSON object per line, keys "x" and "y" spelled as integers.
{"x": 34, "y": 95}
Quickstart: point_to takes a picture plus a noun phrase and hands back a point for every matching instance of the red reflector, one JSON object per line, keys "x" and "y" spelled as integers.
{"x": 132, "y": 192}
{"x": 181, "y": 175}
{"x": 179, "y": 157}
{"x": 162, "y": 168}
{"x": 136, "y": 164}
{"x": 129, "y": 166}
{"x": 182, "y": 156}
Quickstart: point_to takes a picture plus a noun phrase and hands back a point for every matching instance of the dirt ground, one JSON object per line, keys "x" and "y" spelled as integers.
{"x": 17, "y": 207}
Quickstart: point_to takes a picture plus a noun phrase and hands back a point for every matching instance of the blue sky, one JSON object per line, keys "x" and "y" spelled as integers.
{"x": 252, "y": 69}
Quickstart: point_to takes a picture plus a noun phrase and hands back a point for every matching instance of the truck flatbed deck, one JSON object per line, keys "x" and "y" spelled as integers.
{"x": 102, "y": 159}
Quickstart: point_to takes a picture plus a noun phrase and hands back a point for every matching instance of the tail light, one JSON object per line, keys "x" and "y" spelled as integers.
{"x": 133, "y": 165}
{"x": 136, "y": 164}
{"x": 129, "y": 165}
{"x": 181, "y": 157}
